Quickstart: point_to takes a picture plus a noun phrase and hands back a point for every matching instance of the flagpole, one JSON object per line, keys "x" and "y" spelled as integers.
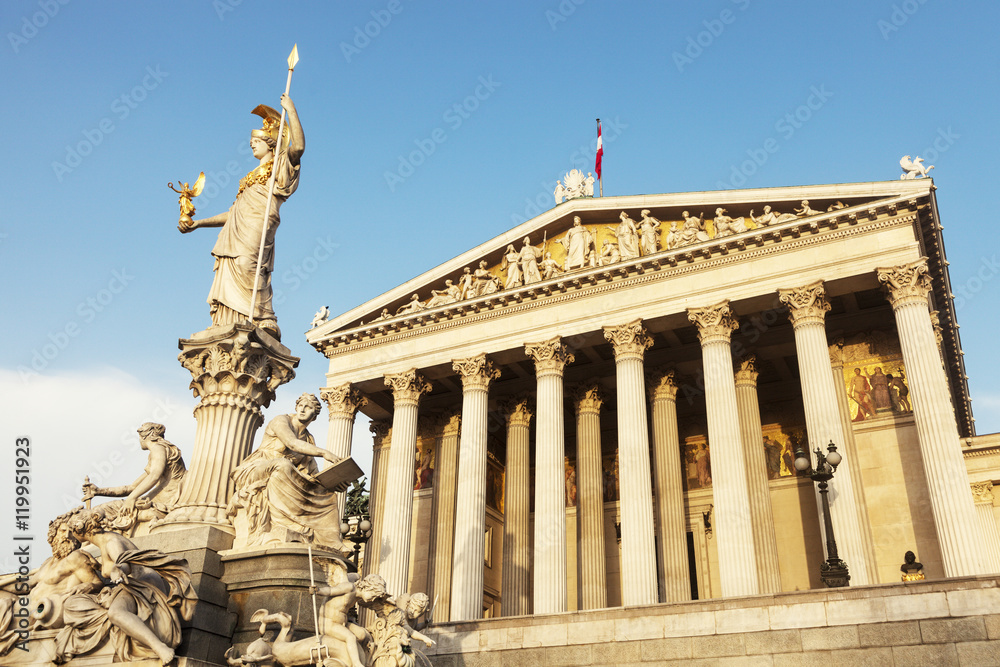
{"x": 293, "y": 58}
{"x": 600, "y": 148}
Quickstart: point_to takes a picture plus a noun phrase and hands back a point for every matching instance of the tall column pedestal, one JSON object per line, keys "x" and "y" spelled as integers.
{"x": 235, "y": 371}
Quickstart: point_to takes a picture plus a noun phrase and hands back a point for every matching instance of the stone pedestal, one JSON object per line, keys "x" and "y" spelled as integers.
{"x": 235, "y": 370}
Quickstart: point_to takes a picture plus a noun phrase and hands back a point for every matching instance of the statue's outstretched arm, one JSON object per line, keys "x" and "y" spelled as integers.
{"x": 297, "y": 143}
{"x": 214, "y": 221}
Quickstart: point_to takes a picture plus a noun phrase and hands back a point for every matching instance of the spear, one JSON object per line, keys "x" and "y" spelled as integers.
{"x": 293, "y": 58}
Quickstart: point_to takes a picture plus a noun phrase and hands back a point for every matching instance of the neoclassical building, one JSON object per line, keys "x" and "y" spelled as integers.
{"x": 606, "y": 414}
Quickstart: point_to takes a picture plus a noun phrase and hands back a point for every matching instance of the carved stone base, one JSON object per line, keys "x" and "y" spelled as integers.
{"x": 834, "y": 573}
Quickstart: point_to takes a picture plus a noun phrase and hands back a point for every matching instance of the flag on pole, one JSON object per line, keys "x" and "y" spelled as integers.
{"x": 600, "y": 151}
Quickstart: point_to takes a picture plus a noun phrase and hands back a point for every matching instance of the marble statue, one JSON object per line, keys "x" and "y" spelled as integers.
{"x": 550, "y": 267}
{"x": 467, "y": 284}
{"x": 321, "y": 316}
{"x": 153, "y": 494}
{"x": 609, "y": 253}
{"x": 578, "y": 243}
{"x": 529, "y": 262}
{"x": 913, "y": 168}
{"x": 806, "y": 210}
{"x": 628, "y": 237}
{"x": 412, "y": 306}
{"x": 141, "y": 607}
{"x": 649, "y": 230}
{"x": 768, "y": 217}
{"x": 485, "y": 282}
{"x": 836, "y": 206}
{"x": 727, "y": 226}
{"x": 391, "y": 631}
{"x": 692, "y": 230}
{"x": 442, "y": 297}
{"x": 239, "y": 243}
{"x": 574, "y": 185}
{"x": 512, "y": 264}
{"x": 384, "y": 315}
{"x": 68, "y": 571}
{"x": 277, "y": 497}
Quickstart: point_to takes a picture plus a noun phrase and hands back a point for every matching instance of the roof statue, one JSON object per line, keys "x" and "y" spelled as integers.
{"x": 913, "y": 168}
{"x": 574, "y": 185}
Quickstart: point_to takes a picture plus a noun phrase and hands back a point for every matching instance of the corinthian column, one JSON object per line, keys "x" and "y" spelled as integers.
{"x": 467, "y": 577}
{"x": 343, "y": 403}
{"x": 550, "y": 359}
{"x": 955, "y": 520}
{"x": 394, "y": 563}
{"x": 382, "y": 438}
{"x": 982, "y": 494}
{"x": 807, "y": 308}
{"x": 233, "y": 373}
{"x": 737, "y": 572}
{"x": 630, "y": 342}
{"x": 668, "y": 480}
{"x": 443, "y": 511}
{"x": 762, "y": 519}
{"x": 515, "y": 589}
{"x": 590, "y": 491}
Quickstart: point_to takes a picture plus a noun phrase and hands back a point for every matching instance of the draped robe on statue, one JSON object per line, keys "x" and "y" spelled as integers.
{"x": 238, "y": 245}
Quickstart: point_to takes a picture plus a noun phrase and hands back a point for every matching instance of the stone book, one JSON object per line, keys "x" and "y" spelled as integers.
{"x": 339, "y": 474}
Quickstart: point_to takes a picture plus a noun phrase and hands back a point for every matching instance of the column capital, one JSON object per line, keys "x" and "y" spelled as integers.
{"x": 662, "y": 385}
{"x": 477, "y": 372}
{"x": 715, "y": 323}
{"x": 407, "y": 387}
{"x": 630, "y": 341}
{"x": 807, "y": 304}
{"x": 517, "y": 411}
{"x": 550, "y": 356}
{"x": 906, "y": 283}
{"x": 450, "y": 423}
{"x": 588, "y": 398}
{"x": 343, "y": 400}
{"x": 747, "y": 374}
{"x": 381, "y": 432}
{"x": 982, "y": 492}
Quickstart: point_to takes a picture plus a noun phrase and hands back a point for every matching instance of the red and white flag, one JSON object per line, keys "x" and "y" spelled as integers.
{"x": 600, "y": 151}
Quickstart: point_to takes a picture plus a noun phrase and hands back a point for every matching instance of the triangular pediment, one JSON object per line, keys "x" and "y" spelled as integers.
{"x": 484, "y": 272}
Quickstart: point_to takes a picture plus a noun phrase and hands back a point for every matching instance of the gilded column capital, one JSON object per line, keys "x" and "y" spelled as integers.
{"x": 407, "y": 387}
{"x": 517, "y": 411}
{"x": 747, "y": 374}
{"x": 381, "y": 432}
{"x": 550, "y": 356}
{"x": 451, "y": 423}
{"x": 907, "y": 283}
{"x": 588, "y": 398}
{"x": 807, "y": 304}
{"x": 630, "y": 341}
{"x": 343, "y": 400}
{"x": 715, "y": 323}
{"x": 662, "y": 385}
{"x": 982, "y": 492}
{"x": 477, "y": 372}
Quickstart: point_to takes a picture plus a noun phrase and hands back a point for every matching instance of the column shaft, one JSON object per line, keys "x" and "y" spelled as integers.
{"x": 729, "y": 481}
{"x": 469, "y": 560}
{"x": 590, "y": 491}
{"x": 668, "y": 478}
{"x": 515, "y": 590}
{"x": 342, "y": 403}
{"x": 443, "y": 513}
{"x": 982, "y": 492}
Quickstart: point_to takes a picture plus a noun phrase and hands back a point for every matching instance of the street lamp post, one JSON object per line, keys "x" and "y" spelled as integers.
{"x": 834, "y": 571}
{"x": 356, "y": 525}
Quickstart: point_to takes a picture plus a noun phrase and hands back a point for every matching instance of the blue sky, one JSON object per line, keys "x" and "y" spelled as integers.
{"x": 107, "y": 102}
